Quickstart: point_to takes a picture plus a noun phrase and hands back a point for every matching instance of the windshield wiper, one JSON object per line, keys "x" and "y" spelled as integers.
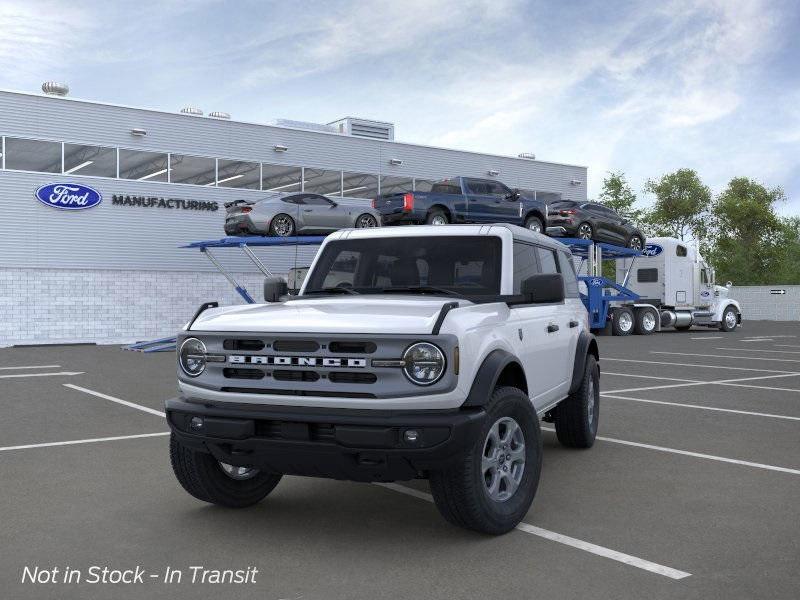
{"x": 418, "y": 289}
{"x": 331, "y": 290}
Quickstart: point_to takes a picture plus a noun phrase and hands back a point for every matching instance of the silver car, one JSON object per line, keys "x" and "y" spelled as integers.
{"x": 283, "y": 215}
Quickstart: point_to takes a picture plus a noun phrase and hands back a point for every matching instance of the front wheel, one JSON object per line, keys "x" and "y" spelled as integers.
{"x": 585, "y": 231}
{"x": 492, "y": 487}
{"x": 282, "y": 225}
{"x": 209, "y": 480}
{"x": 576, "y": 418}
{"x": 534, "y": 224}
{"x": 729, "y": 320}
{"x": 366, "y": 221}
{"x": 635, "y": 242}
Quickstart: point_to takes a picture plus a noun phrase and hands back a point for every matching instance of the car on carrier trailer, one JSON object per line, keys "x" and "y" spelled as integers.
{"x": 421, "y": 352}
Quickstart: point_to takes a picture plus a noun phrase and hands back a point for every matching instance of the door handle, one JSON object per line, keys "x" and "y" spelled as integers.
{"x": 307, "y": 210}
{"x": 552, "y": 328}
{"x": 573, "y": 324}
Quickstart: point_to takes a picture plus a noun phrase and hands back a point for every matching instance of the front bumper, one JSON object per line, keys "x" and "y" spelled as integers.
{"x": 357, "y": 445}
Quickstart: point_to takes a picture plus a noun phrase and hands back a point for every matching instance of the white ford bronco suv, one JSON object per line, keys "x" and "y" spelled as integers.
{"x": 409, "y": 352}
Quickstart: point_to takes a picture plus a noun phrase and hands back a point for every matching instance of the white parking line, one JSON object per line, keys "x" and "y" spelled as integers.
{"x": 31, "y": 367}
{"x": 674, "y": 364}
{"x": 733, "y": 461}
{"x": 727, "y": 356}
{"x": 86, "y": 441}
{"x": 708, "y": 337}
{"x": 701, "y": 407}
{"x": 649, "y": 377}
{"x": 20, "y": 375}
{"x": 713, "y": 382}
{"x": 759, "y": 350}
{"x": 152, "y": 411}
{"x": 627, "y": 559}
{"x": 756, "y": 340}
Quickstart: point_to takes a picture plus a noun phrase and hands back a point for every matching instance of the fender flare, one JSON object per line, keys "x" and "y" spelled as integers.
{"x": 486, "y": 378}
{"x": 586, "y": 345}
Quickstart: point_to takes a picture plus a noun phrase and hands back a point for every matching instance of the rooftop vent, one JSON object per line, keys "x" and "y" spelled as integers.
{"x": 53, "y": 88}
{"x": 527, "y": 155}
{"x": 192, "y": 110}
{"x": 376, "y": 130}
{"x": 219, "y": 115}
{"x": 303, "y": 125}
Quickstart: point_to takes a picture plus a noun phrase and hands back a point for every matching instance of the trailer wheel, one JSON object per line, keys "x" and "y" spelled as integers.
{"x": 622, "y": 321}
{"x": 729, "y": 320}
{"x": 645, "y": 323}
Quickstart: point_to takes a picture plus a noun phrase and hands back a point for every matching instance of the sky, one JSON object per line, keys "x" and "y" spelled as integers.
{"x": 639, "y": 87}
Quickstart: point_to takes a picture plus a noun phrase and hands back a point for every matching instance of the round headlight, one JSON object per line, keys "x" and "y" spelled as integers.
{"x": 425, "y": 363}
{"x": 192, "y": 357}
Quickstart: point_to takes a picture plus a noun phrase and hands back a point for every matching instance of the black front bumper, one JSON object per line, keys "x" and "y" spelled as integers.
{"x": 339, "y": 444}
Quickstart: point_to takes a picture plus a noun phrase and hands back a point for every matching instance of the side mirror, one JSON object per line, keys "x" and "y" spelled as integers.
{"x": 729, "y": 284}
{"x": 274, "y": 288}
{"x": 334, "y": 204}
{"x": 545, "y": 288}
{"x": 514, "y": 195}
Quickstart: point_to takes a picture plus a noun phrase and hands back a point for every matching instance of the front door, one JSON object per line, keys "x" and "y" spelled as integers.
{"x": 322, "y": 214}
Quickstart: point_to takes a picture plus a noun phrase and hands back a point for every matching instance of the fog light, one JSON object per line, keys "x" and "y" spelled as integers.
{"x": 411, "y": 436}
{"x": 196, "y": 423}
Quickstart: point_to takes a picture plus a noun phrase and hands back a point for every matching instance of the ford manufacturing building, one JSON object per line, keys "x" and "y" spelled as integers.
{"x": 116, "y": 272}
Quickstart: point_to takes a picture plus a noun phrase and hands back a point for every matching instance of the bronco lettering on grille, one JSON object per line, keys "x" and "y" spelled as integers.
{"x": 298, "y": 361}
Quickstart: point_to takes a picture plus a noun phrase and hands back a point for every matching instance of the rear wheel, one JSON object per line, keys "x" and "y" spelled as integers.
{"x": 729, "y": 320}
{"x": 534, "y": 224}
{"x": 645, "y": 323}
{"x": 585, "y": 231}
{"x": 437, "y": 217}
{"x": 576, "y": 418}
{"x": 622, "y": 321}
{"x": 635, "y": 242}
{"x": 366, "y": 221}
{"x": 491, "y": 489}
{"x": 282, "y": 225}
{"x": 209, "y": 480}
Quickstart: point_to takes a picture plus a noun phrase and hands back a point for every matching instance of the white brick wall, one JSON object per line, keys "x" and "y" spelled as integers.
{"x": 759, "y": 304}
{"x": 39, "y": 306}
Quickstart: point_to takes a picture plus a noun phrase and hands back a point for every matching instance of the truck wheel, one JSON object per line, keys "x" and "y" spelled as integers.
{"x": 729, "y": 320}
{"x": 491, "y": 488}
{"x": 622, "y": 321}
{"x": 437, "y": 217}
{"x": 282, "y": 225}
{"x": 209, "y": 480}
{"x": 576, "y": 417}
{"x": 534, "y": 224}
{"x": 645, "y": 321}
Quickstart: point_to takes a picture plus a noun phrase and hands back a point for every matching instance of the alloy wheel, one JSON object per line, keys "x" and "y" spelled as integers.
{"x": 585, "y": 231}
{"x": 635, "y": 243}
{"x": 282, "y": 226}
{"x": 503, "y": 459}
{"x": 366, "y": 221}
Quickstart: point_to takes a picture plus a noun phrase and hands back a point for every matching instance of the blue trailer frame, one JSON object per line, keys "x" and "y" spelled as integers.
{"x": 601, "y": 292}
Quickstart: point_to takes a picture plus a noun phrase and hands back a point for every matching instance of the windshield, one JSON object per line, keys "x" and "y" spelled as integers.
{"x": 440, "y": 265}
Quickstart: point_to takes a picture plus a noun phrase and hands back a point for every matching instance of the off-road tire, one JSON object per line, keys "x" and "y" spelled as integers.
{"x": 460, "y": 490}
{"x": 201, "y": 475}
{"x": 619, "y": 323}
{"x": 534, "y": 220}
{"x": 273, "y": 231}
{"x": 437, "y": 214}
{"x": 576, "y": 424}
{"x": 723, "y": 326}
{"x": 640, "y": 327}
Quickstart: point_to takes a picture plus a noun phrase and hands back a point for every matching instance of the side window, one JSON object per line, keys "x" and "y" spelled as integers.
{"x": 497, "y": 189}
{"x": 680, "y": 250}
{"x": 547, "y": 260}
{"x": 293, "y": 199}
{"x": 525, "y": 264}
{"x": 703, "y": 276}
{"x": 477, "y": 187}
{"x": 343, "y": 270}
{"x": 317, "y": 201}
{"x": 647, "y": 275}
{"x": 567, "y": 268}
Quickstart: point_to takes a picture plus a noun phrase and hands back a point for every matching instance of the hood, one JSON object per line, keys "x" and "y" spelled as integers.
{"x": 720, "y": 291}
{"x": 358, "y": 314}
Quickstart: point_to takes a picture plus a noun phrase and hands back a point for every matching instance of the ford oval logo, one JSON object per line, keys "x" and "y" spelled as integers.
{"x": 652, "y": 250}
{"x": 68, "y": 196}
{"x": 595, "y": 282}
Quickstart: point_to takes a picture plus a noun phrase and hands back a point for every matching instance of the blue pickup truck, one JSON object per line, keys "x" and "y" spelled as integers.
{"x": 463, "y": 200}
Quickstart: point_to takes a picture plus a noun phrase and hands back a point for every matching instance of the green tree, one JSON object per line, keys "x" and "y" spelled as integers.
{"x": 681, "y": 205}
{"x": 618, "y": 195}
{"x": 751, "y": 244}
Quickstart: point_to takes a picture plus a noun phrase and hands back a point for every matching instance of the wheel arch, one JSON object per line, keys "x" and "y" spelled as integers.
{"x": 445, "y": 209}
{"x": 535, "y": 212}
{"x": 499, "y": 368}
{"x": 587, "y": 344}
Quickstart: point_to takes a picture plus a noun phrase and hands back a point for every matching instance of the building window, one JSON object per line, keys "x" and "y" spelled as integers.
{"x": 196, "y": 170}
{"x": 320, "y": 181}
{"x": 359, "y": 185}
{"x": 238, "y": 174}
{"x": 396, "y": 185}
{"x": 33, "y": 155}
{"x": 279, "y": 178}
{"x": 143, "y": 166}
{"x": 90, "y": 160}
{"x": 423, "y": 185}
